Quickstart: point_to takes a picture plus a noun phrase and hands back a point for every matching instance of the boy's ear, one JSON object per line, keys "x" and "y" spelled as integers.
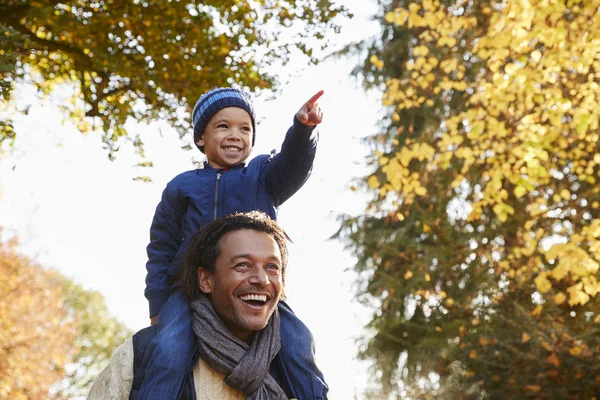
{"x": 205, "y": 280}
{"x": 200, "y": 141}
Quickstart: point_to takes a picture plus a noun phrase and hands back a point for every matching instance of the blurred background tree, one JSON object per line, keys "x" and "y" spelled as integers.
{"x": 55, "y": 336}
{"x": 151, "y": 60}
{"x": 480, "y": 245}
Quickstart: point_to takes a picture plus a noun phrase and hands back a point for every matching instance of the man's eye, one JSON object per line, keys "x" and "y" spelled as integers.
{"x": 242, "y": 265}
{"x": 273, "y": 267}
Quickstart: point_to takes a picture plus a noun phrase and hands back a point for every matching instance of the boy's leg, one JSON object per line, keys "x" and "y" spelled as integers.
{"x": 298, "y": 355}
{"x": 170, "y": 351}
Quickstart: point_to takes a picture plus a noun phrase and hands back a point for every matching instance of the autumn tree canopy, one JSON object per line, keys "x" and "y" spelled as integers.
{"x": 482, "y": 242}
{"x": 54, "y": 336}
{"x": 151, "y": 59}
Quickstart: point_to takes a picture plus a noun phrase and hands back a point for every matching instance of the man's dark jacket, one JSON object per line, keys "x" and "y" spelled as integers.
{"x": 194, "y": 198}
{"x": 142, "y": 338}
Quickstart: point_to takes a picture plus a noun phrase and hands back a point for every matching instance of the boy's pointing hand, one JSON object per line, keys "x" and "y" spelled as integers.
{"x": 310, "y": 113}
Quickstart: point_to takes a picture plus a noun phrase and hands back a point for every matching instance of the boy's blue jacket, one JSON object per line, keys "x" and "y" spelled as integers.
{"x": 196, "y": 197}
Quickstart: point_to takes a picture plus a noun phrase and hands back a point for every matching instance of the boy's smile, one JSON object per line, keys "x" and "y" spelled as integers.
{"x": 227, "y": 138}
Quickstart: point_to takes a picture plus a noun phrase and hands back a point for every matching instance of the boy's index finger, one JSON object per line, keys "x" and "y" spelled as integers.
{"x": 311, "y": 102}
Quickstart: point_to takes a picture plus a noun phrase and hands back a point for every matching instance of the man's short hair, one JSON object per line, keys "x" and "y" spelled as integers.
{"x": 204, "y": 248}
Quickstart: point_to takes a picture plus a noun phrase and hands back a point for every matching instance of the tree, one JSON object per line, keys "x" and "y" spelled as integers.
{"x": 481, "y": 244}
{"x": 98, "y": 335}
{"x": 151, "y": 60}
{"x": 54, "y": 336}
{"x": 36, "y": 331}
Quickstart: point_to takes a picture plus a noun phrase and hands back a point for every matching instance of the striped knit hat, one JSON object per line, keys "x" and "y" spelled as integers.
{"x": 215, "y": 100}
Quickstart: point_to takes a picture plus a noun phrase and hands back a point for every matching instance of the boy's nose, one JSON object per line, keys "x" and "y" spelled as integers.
{"x": 234, "y": 134}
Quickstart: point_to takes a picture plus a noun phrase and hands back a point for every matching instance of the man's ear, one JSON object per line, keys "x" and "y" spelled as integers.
{"x": 205, "y": 280}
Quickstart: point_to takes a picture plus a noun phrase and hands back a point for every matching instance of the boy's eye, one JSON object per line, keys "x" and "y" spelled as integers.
{"x": 222, "y": 126}
{"x": 246, "y": 129}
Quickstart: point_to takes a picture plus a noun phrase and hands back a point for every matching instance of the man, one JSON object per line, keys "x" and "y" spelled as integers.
{"x": 233, "y": 277}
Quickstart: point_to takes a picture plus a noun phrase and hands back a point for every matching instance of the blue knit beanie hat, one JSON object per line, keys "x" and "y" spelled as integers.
{"x": 215, "y": 100}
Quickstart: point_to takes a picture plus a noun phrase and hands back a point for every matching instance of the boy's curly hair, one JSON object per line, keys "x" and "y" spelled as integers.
{"x": 204, "y": 249}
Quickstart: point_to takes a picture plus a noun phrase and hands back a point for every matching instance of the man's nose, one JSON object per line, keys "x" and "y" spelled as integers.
{"x": 260, "y": 278}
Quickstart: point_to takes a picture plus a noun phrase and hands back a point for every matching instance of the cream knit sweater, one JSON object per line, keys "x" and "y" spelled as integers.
{"x": 114, "y": 382}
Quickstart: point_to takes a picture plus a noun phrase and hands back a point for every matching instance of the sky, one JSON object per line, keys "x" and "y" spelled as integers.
{"x": 74, "y": 210}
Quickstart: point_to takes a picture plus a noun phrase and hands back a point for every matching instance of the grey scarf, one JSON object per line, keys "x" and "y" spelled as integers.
{"x": 246, "y": 366}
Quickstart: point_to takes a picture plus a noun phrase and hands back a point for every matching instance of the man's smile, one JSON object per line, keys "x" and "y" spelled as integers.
{"x": 255, "y": 300}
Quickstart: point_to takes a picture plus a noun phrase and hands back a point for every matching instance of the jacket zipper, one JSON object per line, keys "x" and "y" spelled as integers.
{"x": 216, "y": 194}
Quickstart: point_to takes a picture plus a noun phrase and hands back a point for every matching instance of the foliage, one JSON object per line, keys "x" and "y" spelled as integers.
{"x": 54, "y": 335}
{"x": 99, "y": 334}
{"x": 482, "y": 241}
{"x": 36, "y": 329}
{"x": 152, "y": 59}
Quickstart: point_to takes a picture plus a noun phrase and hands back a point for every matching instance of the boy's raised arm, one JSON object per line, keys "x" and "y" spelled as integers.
{"x": 289, "y": 169}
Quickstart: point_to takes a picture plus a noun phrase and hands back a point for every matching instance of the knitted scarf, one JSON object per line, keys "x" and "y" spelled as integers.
{"x": 246, "y": 366}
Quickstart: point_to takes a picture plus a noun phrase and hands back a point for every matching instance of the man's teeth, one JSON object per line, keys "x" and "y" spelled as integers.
{"x": 257, "y": 297}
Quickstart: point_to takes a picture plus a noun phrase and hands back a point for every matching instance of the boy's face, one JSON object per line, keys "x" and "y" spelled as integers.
{"x": 227, "y": 138}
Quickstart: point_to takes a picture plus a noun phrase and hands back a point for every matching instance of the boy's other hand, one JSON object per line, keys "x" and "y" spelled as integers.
{"x": 154, "y": 320}
{"x": 310, "y": 113}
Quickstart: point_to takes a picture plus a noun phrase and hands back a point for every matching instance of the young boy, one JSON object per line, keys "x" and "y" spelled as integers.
{"x": 225, "y": 131}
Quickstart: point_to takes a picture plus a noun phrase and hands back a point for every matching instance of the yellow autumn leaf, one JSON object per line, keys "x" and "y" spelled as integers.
{"x": 542, "y": 283}
{"x": 520, "y": 191}
{"x": 560, "y": 298}
{"x": 408, "y": 274}
{"x": 575, "y": 351}
{"x": 547, "y": 346}
{"x": 561, "y": 270}
{"x": 373, "y": 182}
{"x": 421, "y": 191}
{"x": 420, "y": 51}
{"x": 553, "y": 359}
{"x": 577, "y": 295}
{"x": 525, "y": 337}
{"x": 447, "y": 41}
{"x": 376, "y": 61}
{"x": 533, "y": 388}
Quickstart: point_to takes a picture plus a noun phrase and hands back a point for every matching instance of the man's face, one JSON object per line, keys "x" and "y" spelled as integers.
{"x": 247, "y": 281}
{"x": 227, "y": 138}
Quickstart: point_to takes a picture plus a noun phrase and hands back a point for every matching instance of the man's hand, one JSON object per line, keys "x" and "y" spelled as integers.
{"x": 154, "y": 320}
{"x": 310, "y": 113}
